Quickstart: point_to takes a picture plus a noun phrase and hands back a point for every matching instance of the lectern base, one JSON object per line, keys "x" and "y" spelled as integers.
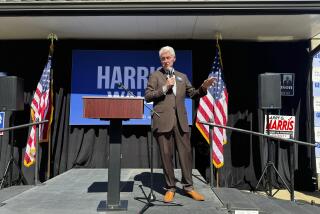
{"x": 123, "y": 205}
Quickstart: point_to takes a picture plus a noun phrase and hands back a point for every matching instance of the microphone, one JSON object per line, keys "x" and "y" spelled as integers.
{"x": 170, "y": 72}
{"x": 121, "y": 86}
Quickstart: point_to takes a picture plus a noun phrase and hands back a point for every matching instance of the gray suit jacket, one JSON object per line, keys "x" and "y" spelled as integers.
{"x": 166, "y": 104}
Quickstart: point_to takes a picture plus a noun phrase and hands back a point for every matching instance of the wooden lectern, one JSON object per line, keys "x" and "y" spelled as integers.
{"x": 114, "y": 109}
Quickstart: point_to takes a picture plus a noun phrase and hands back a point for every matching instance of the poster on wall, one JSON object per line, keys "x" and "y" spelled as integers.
{"x": 316, "y": 89}
{"x": 99, "y": 72}
{"x": 317, "y": 134}
{"x": 316, "y": 74}
{"x": 287, "y": 84}
{"x": 280, "y": 126}
{"x": 2, "y": 114}
{"x": 317, "y": 149}
{"x": 316, "y": 105}
{"x": 316, "y": 68}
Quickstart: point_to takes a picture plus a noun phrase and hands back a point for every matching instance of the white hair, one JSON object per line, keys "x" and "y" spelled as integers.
{"x": 167, "y": 49}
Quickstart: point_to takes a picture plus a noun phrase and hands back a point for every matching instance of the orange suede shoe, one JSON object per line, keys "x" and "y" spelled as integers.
{"x": 195, "y": 195}
{"x": 168, "y": 197}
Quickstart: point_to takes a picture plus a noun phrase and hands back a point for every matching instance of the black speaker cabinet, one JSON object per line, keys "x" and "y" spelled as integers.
{"x": 11, "y": 93}
{"x": 269, "y": 91}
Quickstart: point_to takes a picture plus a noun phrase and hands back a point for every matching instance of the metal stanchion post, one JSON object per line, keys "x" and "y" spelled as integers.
{"x": 292, "y": 167}
{"x": 211, "y": 153}
{"x": 36, "y": 170}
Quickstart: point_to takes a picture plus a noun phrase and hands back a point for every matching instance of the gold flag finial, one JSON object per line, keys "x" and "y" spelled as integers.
{"x": 218, "y": 36}
{"x": 52, "y": 38}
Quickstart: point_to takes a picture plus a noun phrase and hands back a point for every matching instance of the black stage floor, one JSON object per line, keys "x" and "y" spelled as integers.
{"x": 81, "y": 190}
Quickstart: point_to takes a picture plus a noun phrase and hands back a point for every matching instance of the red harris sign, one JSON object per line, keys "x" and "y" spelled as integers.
{"x": 280, "y": 126}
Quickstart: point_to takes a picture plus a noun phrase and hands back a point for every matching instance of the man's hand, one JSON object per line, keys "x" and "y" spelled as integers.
{"x": 208, "y": 82}
{"x": 170, "y": 82}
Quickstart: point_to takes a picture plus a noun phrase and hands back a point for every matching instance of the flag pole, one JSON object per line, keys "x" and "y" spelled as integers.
{"x": 211, "y": 153}
{"x": 218, "y": 36}
{"x": 52, "y": 37}
{"x": 217, "y": 170}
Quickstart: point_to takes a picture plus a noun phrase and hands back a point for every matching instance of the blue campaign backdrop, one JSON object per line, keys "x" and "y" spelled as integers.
{"x": 97, "y": 72}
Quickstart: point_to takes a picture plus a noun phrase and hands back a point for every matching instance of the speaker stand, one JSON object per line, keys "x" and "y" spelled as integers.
{"x": 268, "y": 173}
{"x": 267, "y": 170}
{"x": 9, "y": 168}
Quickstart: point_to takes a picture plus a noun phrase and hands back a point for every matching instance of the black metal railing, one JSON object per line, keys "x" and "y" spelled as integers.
{"x": 291, "y": 189}
{"x": 36, "y": 171}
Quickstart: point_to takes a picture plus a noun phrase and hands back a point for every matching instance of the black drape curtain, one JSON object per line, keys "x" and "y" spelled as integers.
{"x": 87, "y": 146}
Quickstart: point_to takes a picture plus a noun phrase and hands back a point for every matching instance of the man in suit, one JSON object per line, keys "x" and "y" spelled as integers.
{"x": 167, "y": 88}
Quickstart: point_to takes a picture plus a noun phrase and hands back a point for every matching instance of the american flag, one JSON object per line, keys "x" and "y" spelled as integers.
{"x": 41, "y": 109}
{"x": 214, "y": 108}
